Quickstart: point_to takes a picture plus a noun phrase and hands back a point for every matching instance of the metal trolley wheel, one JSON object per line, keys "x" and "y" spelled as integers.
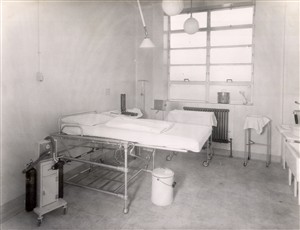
{"x": 125, "y": 210}
{"x": 65, "y": 210}
{"x": 39, "y": 221}
{"x": 205, "y": 163}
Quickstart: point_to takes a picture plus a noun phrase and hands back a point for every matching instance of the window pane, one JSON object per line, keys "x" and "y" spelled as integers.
{"x": 235, "y": 93}
{"x": 236, "y": 73}
{"x": 195, "y": 56}
{"x": 192, "y": 73}
{"x": 177, "y": 21}
{"x": 187, "y": 92}
{"x": 183, "y": 40}
{"x": 231, "y": 37}
{"x": 231, "y": 55}
{"x": 231, "y": 17}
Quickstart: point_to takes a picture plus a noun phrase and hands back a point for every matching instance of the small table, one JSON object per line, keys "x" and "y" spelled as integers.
{"x": 286, "y": 136}
{"x": 257, "y": 122}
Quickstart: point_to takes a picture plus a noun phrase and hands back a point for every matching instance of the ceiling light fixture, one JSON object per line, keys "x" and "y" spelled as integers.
{"x": 191, "y": 25}
{"x": 172, "y": 8}
{"x": 146, "y": 43}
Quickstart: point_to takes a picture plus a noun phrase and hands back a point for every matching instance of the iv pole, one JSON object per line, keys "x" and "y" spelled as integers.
{"x": 142, "y": 93}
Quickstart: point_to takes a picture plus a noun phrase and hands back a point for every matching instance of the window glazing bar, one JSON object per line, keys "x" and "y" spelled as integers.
{"x": 237, "y": 5}
{"x": 217, "y": 64}
{"x": 189, "y": 48}
{"x": 232, "y": 46}
{"x": 187, "y": 64}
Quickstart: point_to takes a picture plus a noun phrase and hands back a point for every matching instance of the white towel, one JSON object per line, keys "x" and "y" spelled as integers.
{"x": 146, "y": 125}
{"x": 256, "y": 122}
{"x": 192, "y": 117}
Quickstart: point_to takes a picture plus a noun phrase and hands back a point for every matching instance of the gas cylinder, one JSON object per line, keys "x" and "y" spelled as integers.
{"x": 31, "y": 186}
{"x": 60, "y": 165}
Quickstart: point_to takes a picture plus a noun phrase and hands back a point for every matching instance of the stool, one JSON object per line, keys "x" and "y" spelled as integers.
{"x": 257, "y": 123}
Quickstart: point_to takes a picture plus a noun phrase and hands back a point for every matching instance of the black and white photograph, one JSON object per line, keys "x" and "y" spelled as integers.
{"x": 149, "y": 114}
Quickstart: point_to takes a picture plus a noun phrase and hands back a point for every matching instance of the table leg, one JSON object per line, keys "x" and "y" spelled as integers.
{"x": 298, "y": 193}
{"x": 290, "y": 177}
{"x": 268, "y": 160}
{"x": 283, "y": 152}
{"x": 249, "y": 144}
{"x": 295, "y": 187}
{"x": 245, "y": 149}
{"x": 125, "y": 179}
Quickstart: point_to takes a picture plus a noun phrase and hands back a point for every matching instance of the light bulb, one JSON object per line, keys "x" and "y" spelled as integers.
{"x": 191, "y": 25}
{"x": 172, "y": 8}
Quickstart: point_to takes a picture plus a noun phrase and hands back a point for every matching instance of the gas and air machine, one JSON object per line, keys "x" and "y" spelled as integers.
{"x": 44, "y": 180}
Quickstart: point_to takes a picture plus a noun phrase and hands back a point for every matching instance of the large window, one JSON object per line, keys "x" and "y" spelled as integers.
{"x": 219, "y": 57}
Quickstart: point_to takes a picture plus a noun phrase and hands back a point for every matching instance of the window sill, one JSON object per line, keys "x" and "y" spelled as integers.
{"x": 207, "y": 102}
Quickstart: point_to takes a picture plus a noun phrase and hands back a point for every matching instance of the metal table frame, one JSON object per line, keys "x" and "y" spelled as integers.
{"x": 249, "y": 142}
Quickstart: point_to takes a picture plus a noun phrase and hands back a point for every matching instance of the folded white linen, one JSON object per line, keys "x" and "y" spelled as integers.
{"x": 256, "y": 122}
{"x": 89, "y": 119}
{"x": 146, "y": 125}
{"x": 192, "y": 117}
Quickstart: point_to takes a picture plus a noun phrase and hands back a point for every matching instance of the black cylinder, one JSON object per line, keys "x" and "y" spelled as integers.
{"x": 60, "y": 165}
{"x": 123, "y": 103}
{"x": 31, "y": 184}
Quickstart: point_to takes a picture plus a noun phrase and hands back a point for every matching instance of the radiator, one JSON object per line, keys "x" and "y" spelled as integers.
{"x": 219, "y": 133}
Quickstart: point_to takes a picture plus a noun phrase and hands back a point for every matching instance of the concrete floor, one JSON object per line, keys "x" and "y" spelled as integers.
{"x": 225, "y": 195}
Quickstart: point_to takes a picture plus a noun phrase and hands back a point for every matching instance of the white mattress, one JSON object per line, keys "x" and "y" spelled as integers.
{"x": 182, "y": 137}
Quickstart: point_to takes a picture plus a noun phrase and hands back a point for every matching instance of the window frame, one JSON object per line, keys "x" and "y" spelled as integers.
{"x": 207, "y": 82}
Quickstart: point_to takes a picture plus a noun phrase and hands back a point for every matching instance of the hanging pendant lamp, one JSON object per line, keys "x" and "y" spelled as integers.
{"x": 172, "y": 8}
{"x": 191, "y": 25}
{"x": 146, "y": 43}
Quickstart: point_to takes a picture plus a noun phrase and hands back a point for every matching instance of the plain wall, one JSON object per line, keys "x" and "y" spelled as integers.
{"x": 86, "y": 48}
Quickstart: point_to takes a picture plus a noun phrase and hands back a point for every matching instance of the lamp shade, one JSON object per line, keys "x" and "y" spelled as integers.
{"x": 191, "y": 25}
{"x": 172, "y": 8}
{"x": 147, "y": 43}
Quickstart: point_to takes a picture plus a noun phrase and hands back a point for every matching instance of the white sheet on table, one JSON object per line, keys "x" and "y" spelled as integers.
{"x": 146, "y": 125}
{"x": 256, "y": 122}
{"x": 180, "y": 137}
{"x": 192, "y": 117}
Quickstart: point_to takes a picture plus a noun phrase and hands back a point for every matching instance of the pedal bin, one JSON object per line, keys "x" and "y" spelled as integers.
{"x": 162, "y": 186}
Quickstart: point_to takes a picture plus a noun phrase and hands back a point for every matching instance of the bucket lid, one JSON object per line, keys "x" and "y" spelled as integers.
{"x": 162, "y": 172}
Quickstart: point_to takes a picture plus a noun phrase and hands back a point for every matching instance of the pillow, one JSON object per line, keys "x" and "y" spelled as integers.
{"x": 89, "y": 119}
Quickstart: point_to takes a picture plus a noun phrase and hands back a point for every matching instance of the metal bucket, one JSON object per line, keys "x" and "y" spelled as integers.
{"x": 223, "y": 97}
{"x": 162, "y": 186}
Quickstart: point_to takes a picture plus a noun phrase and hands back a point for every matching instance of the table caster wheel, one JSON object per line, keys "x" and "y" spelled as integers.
{"x": 245, "y": 164}
{"x": 39, "y": 222}
{"x": 125, "y": 210}
{"x": 267, "y": 165}
{"x": 205, "y": 163}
